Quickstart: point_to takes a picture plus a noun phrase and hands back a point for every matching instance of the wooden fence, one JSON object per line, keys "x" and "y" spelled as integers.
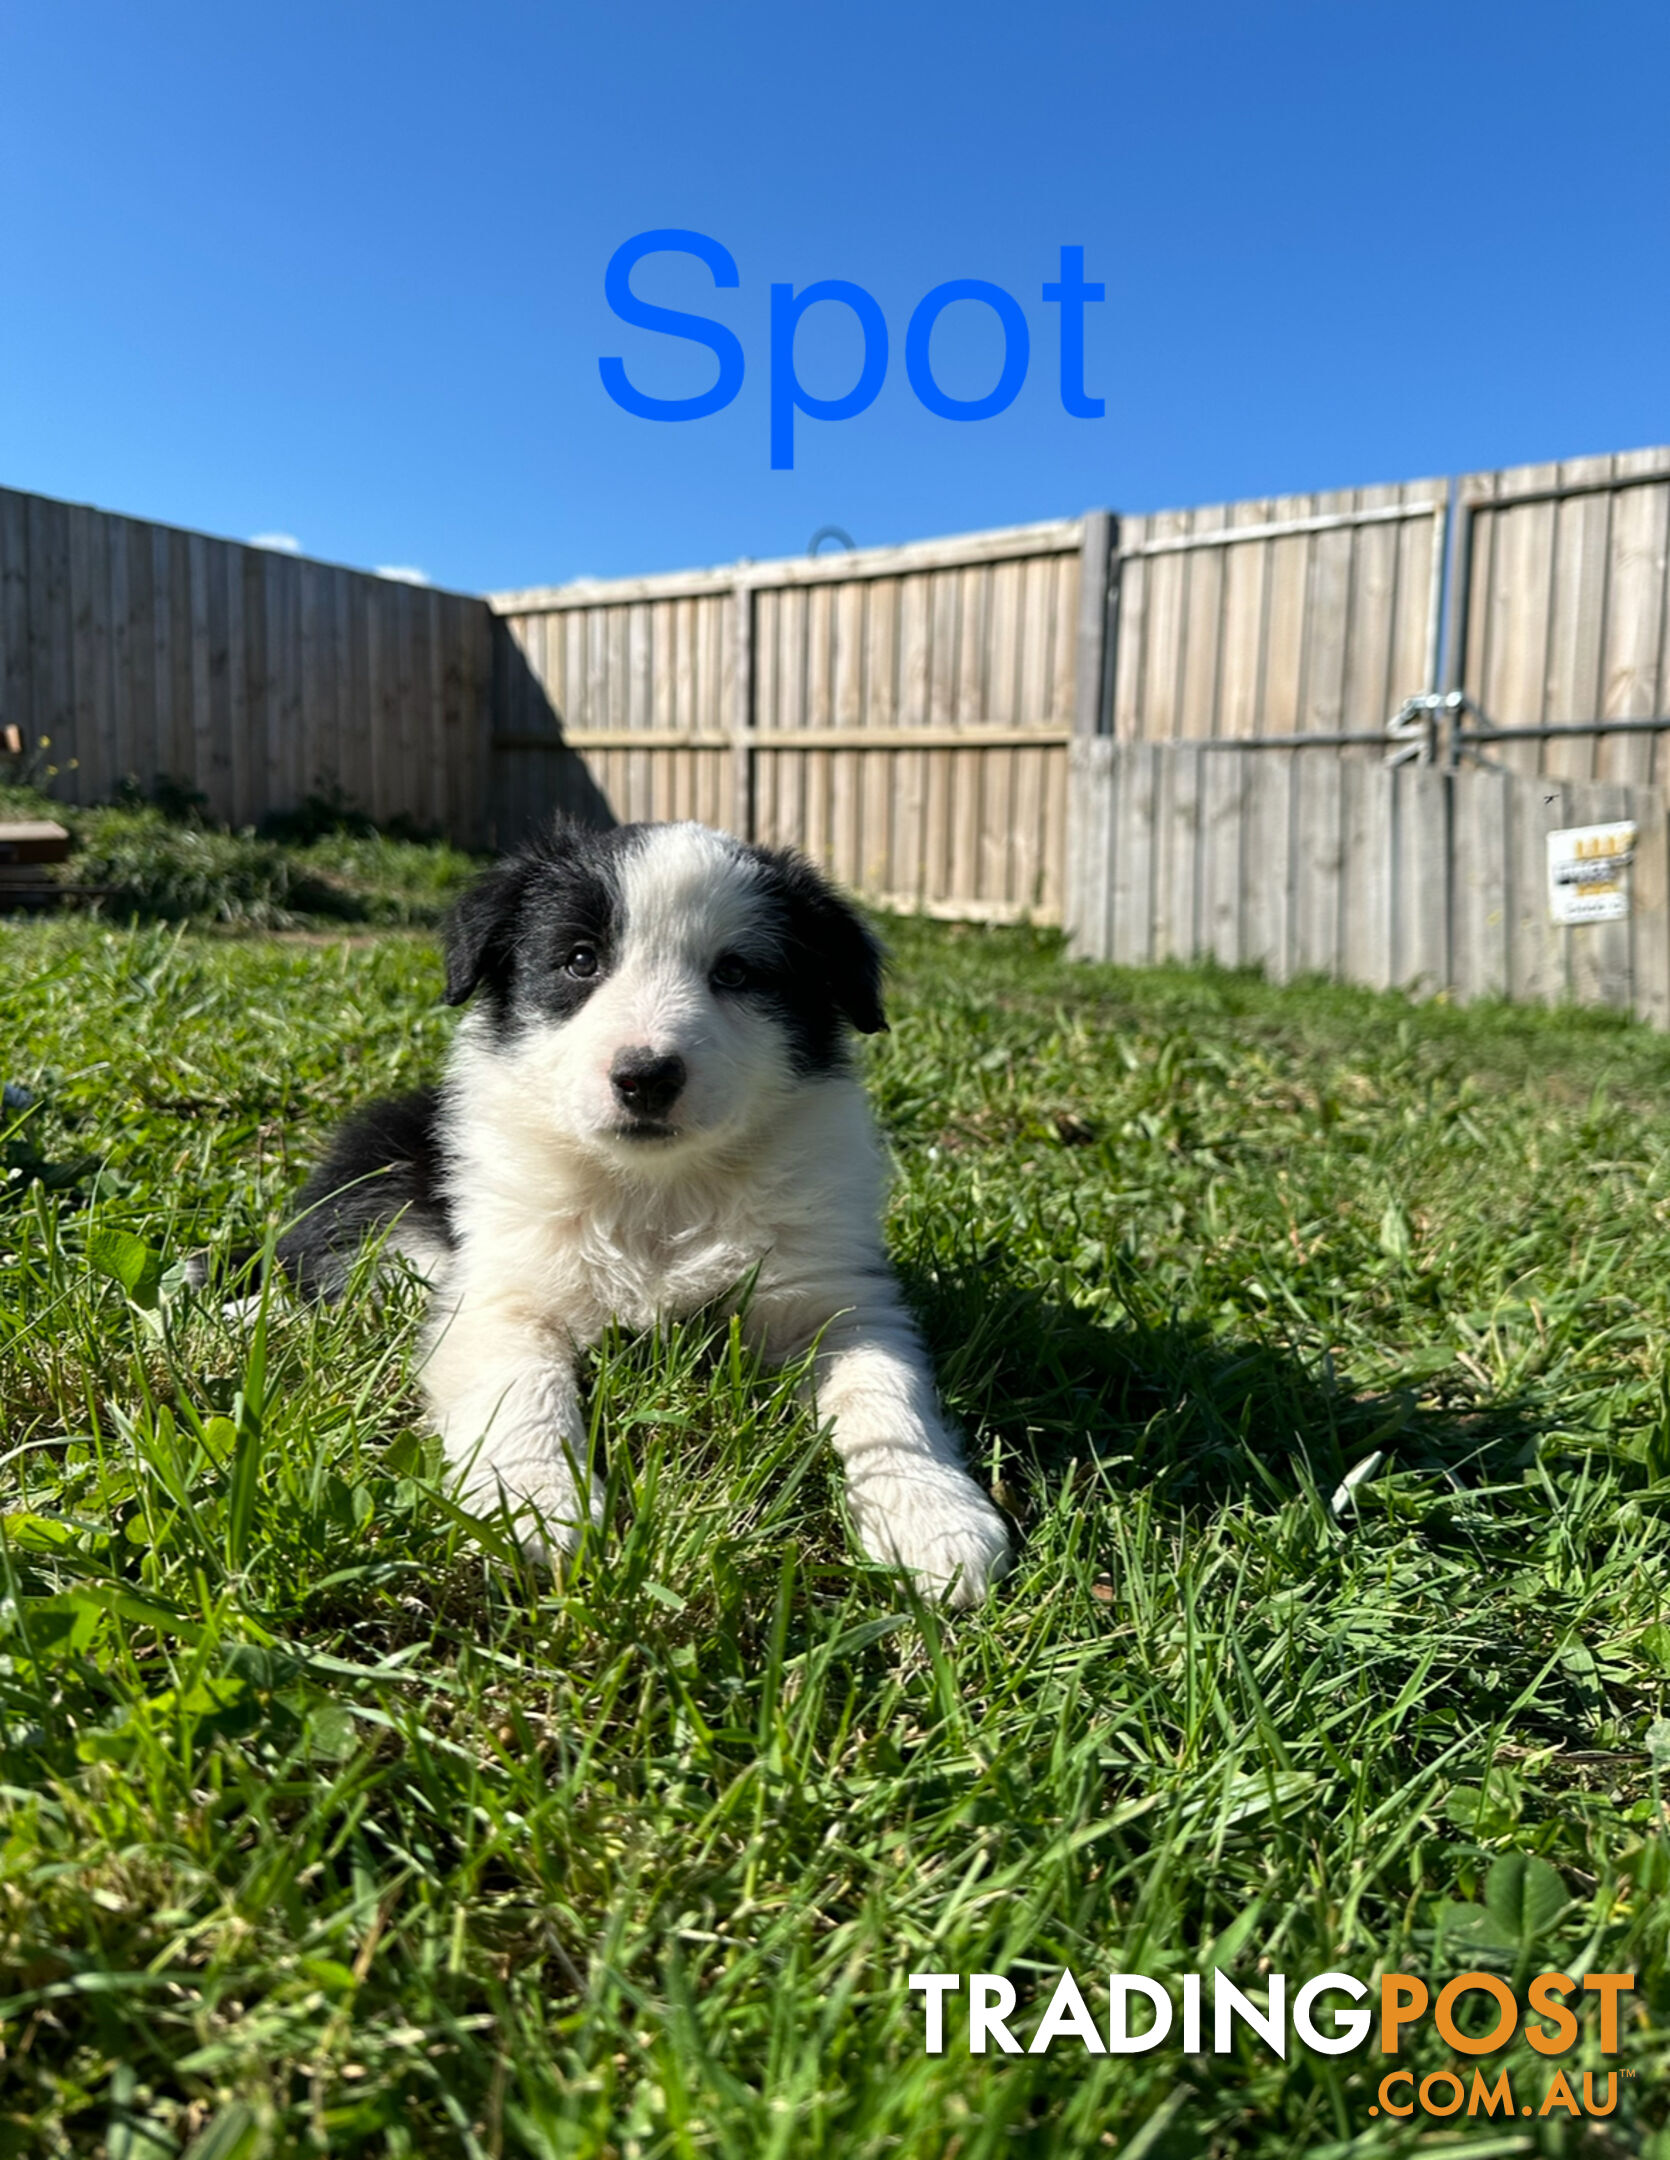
{"x": 1303, "y": 861}
{"x": 900, "y": 714}
{"x": 903, "y": 715}
{"x": 1563, "y": 584}
{"x": 139, "y": 650}
{"x": 918, "y": 719}
{"x": 1297, "y": 613}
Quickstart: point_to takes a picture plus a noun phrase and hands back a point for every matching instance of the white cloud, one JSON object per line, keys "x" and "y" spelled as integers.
{"x": 402, "y": 573}
{"x": 283, "y": 543}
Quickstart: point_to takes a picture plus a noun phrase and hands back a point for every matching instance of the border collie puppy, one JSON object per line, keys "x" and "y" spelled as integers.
{"x": 648, "y": 1105}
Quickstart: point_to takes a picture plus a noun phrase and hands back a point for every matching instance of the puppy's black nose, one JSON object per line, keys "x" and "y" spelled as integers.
{"x": 645, "y": 1082}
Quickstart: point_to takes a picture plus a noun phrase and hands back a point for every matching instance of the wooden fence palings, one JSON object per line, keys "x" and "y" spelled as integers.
{"x": 1564, "y": 575}
{"x": 137, "y": 650}
{"x": 906, "y": 716}
{"x": 902, "y": 715}
{"x": 1414, "y": 876}
{"x": 1299, "y": 614}
{"x": 910, "y": 716}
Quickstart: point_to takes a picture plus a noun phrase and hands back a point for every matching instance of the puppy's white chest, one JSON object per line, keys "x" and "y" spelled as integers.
{"x": 639, "y": 1270}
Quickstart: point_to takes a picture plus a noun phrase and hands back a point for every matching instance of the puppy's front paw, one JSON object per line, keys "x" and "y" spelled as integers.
{"x": 935, "y": 1521}
{"x": 547, "y": 1514}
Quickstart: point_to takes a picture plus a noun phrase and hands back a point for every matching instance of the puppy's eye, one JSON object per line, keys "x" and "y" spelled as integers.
{"x": 581, "y": 963}
{"x": 729, "y": 973}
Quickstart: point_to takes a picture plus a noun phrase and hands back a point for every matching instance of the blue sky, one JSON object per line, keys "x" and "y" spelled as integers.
{"x": 336, "y": 270}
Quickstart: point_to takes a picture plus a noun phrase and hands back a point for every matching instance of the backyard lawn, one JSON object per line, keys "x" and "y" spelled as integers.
{"x": 326, "y": 1826}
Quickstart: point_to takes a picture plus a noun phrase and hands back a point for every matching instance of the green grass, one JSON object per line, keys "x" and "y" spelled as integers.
{"x": 326, "y": 1827}
{"x": 164, "y": 861}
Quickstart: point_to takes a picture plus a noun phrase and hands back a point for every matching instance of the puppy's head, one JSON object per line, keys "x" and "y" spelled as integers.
{"x": 661, "y": 988}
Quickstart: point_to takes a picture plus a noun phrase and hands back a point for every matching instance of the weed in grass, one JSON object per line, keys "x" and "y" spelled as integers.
{"x": 327, "y": 1826}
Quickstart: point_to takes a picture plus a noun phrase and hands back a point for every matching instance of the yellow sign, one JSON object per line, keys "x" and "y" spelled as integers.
{"x": 1588, "y": 872}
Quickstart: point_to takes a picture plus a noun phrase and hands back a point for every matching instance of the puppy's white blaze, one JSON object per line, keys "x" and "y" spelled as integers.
{"x": 688, "y": 896}
{"x": 686, "y": 889}
{"x": 685, "y": 897}
{"x": 562, "y": 1225}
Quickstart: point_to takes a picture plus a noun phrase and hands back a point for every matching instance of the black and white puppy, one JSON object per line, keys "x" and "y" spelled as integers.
{"x": 650, "y": 1104}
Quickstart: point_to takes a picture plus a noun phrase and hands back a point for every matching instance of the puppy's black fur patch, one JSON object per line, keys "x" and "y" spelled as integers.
{"x": 828, "y": 969}
{"x": 383, "y": 1163}
{"x": 509, "y": 938}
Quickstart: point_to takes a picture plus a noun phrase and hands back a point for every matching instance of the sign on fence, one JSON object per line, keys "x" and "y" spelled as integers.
{"x": 1588, "y": 872}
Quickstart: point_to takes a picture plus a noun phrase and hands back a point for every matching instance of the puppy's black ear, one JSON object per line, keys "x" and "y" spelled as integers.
{"x": 837, "y": 942}
{"x": 854, "y": 959}
{"x": 480, "y": 932}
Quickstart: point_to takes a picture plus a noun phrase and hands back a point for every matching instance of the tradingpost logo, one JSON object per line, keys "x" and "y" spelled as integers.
{"x": 1556, "y": 2011}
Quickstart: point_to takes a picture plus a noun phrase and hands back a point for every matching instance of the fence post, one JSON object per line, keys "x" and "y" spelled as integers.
{"x": 742, "y": 710}
{"x": 1096, "y": 558}
{"x": 1088, "y": 870}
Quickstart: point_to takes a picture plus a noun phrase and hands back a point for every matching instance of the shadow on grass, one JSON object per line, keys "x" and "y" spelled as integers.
{"x": 1203, "y": 1418}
